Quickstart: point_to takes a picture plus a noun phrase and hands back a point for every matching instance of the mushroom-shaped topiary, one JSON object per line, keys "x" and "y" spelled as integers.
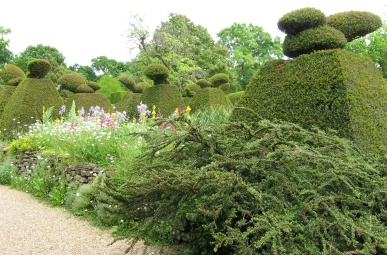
{"x": 84, "y": 88}
{"x": 219, "y": 79}
{"x": 307, "y": 41}
{"x": 38, "y": 68}
{"x": 158, "y": 73}
{"x": 203, "y": 83}
{"x": 11, "y": 72}
{"x": 354, "y": 24}
{"x": 71, "y": 81}
{"x": 299, "y": 20}
{"x": 95, "y": 86}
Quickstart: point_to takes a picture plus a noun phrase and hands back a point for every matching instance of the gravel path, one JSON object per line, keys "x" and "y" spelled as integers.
{"x": 29, "y": 227}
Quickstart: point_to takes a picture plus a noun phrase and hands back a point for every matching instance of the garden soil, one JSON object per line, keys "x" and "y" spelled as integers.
{"x": 29, "y": 227}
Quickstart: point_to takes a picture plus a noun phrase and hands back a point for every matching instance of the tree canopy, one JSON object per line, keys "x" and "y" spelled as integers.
{"x": 5, "y": 54}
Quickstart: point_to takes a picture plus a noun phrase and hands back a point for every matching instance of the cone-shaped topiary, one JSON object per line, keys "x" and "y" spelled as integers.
{"x": 6, "y": 92}
{"x": 203, "y": 83}
{"x": 84, "y": 88}
{"x": 355, "y": 24}
{"x": 318, "y": 38}
{"x": 11, "y": 72}
{"x": 158, "y": 73}
{"x": 26, "y": 104}
{"x": 87, "y": 100}
{"x": 95, "y": 86}
{"x": 299, "y": 20}
{"x": 38, "y": 68}
{"x": 71, "y": 81}
{"x": 209, "y": 97}
{"x": 219, "y": 79}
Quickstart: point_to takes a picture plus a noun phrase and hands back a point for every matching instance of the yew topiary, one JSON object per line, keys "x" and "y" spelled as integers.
{"x": 209, "y": 97}
{"x": 129, "y": 104}
{"x": 219, "y": 79}
{"x": 84, "y": 88}
{"x": 158, "y": 73}
{"x": 38, "y": 68}
{"x": 87, "y": 100}
{"x": 302, "y": 19}
{"x": 203, "y": 83}
{"x": 355, "y": 24}
{"x": 95, "y": 86}
{"x": 129, "y": 83}
{"x": 71, "y": 81}
{"x": 166, "y": 97}
{"x": 191, "y": 89}
{"x": 313, "y": 39}
{"x": 12, "y": 75}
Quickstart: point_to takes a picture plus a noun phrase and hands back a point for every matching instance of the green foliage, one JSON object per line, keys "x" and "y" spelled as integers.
{"x": 143, "y": 85}
{"x": 219, "y": 79}
{"x": 71, "y": 81}
{"x": 5, "y": 94}
{"x": 129, "y": 83}
{"x": 6, "y": 55}
{"x": 158, "y": 73}
{"x": 109, "y": 66}
{"x": 38, "y": 68}
{"x": 236, "y": 97}
{"x": 354, "y": 24}
{"x": 209, "y": 97}
{"x": 87, "y": 100}
{"x": 117, "y": 96}
{"x": 109, "y": 85}
{"x": 333, "y": 89}
{"x": 95, "y": 86}
{"x": 271, "y": 188}
{"x": 313, "y": 39}
{"x": 165, "y": 97}
{"x": 203, "y": 83}
{"x": 191, "y": 89}
{"x": 25, "y": 106}
{"x": 250, "y": 46}
{"x": 84, "y": 88}
{"x": 86, "y": 71}
{"x": 11, "y": 72}
{"x": 302, "y": 19}
{"x": 211, "y": 116}
{"x": 227, "y": 88}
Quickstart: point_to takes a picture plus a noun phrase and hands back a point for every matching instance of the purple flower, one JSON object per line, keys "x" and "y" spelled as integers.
{"x": 82, "y": 112}
{"x": 62, "y": 110}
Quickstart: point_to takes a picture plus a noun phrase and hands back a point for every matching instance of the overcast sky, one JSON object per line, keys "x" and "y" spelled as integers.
{"x": 82, "y": 30}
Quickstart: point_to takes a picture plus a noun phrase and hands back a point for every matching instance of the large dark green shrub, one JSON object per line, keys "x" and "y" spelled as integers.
{"x": 270, "y": 188}
{"x": 158, "y": 73}
{"x": 129, "y": 104}
{"x": 25, "y": 106}
{"x": 333, "y": 89}
{"x": 166, "y": 98}
{"x": 11, "y": 73}
{"x": 219, "y": 79}
{"x": 302, "y": 19}
{"x": 355, "y": 24}
{"x": 209, "y": 97}
{"x": 71, "y": 81}
{"x": 87, "y": 100}
{"x": 307, "y": 41}
{"x": 38, "y": 68}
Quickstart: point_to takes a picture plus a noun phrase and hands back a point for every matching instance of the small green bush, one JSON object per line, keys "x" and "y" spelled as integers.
{"x": 227, "y": 88}
{"x": 313, "y": 39}
{"x": 191, "y": 89}
{"x": 129, "y": 83}
{"x": 235, "y": 97}
{"x": 158, "y": 73}
{"x": 117, "y": 96}
{"x": 203, "y": 83}
{"x": 219, "y": 79}
{"x": 11, "y": 72}
{"x": 142, "y": 86}
{"x": 209, "y": 97}
{"x": 71, "y": 81}
{"x": 84, "y": 88}
{"x": 95, "y": 86}
{"x": 129, "y": 104}
{"x": 38, "y": 68}
{"x": 354, "y": 24}
{"x": 299, "y": 20}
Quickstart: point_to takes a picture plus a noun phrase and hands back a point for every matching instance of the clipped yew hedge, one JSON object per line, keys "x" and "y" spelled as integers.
{"x": 313, "y": 39}
{"x": 87, "y": 100}
{"x": 158, "y": 73}
{"x": 38, "y": 68}
{"x": 355, "y": 24}
{"x": 10, "y": 74}
{"x": 332, "y": 89}
{"x": 71, "y": 81}
{"x": 299, "y": 20}
{"x": 209, "y": 97}
{"x": 129, "y": 104}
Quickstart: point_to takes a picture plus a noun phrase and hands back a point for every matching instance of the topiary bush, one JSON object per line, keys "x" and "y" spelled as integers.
{"x": 84, "y": 88}
{"x": 313, "y": 39}
{"x": 235, "y": 97}
{"x": 143, "y": 86}
{"x": 299, "y": 20}
{"x": 6, "y": 92}
{"x": 219, "y": 79}
{"x": 203, "y": 83}
{"x": 129, "y": 104}
{"x": 355, "y": 24}
{"x": 117, "y": 96}
{"x": 95, "y": 86}
{"x": 11, "y": 73}
{"x": 25, "y": 106}
{"x": 191, "y": 89}
{"x": 332, "y": 89}
{"x": 71, "y": 81}
{"x": 158, "y": 73}
{"x": 209, "y": 97}
{"x": 166, "y": 97}
{"x": 227, "y": 88}
{"x": 38, "y": 68}
{"x": 87, "y": 100}
{"x": 129, "y": 83}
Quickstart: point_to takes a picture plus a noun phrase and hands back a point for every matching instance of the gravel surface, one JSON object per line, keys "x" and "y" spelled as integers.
{"x": 29, "y": 227}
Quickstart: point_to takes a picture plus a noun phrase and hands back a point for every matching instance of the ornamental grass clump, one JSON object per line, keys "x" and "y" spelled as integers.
{"x": 268, "y": 188}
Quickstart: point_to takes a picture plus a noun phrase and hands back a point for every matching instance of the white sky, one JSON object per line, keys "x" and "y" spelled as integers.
{"x": 82, "y": 30}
